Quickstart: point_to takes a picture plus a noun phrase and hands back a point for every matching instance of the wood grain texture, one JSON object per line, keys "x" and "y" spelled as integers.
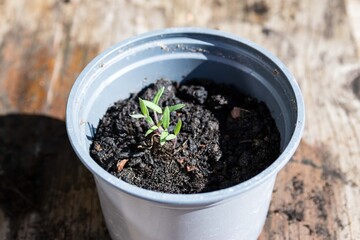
{"x": 45, "y": 193}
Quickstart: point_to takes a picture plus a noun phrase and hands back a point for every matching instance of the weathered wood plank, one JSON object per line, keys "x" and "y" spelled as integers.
{"x": 45, "y": 192}
{"x": 353, "y": 12}
{"x": 45, "y": 44}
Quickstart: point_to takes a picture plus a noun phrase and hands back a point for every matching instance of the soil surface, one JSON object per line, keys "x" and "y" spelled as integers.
{"x": 226, "y": 138}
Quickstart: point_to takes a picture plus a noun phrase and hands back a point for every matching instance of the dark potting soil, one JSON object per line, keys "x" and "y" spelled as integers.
{"x": 226, "y": 138}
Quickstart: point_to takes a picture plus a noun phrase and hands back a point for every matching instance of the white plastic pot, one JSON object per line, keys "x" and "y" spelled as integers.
{"x": 132, "y": 213}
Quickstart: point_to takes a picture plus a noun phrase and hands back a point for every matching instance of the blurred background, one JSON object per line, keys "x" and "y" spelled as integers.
{"x": 45, "y": 193}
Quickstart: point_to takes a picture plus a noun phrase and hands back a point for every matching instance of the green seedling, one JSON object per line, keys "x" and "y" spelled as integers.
{"x": 159, "y": 126}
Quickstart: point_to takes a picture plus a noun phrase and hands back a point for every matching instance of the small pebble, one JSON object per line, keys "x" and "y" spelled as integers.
{"x": 121, "y": 164}
{"x": 235, "y": 112}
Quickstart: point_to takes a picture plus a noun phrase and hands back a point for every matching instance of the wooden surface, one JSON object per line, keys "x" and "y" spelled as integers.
{"x": 45, "y": 193}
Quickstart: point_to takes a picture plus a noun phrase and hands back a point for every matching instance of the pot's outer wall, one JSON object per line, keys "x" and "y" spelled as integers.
{"x": 240, "y": 217}
{"x": 132, "y": 213}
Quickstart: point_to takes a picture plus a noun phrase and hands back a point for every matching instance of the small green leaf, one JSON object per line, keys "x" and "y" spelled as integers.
{"x": 170, "y": 137}
{"x": 163, "y": 136}
{"x": 166, "y": 118}
{"x": 177, "y": 127}
{"x": 158, "y": 95}
{"x": 149, "y": 120}
{"x": 143, "y": 107}
{"x": 176, "y": 107}
{"x": 152, "y": 106}
{"x": 153, "y": 128}
{"x": 138, "y": 115}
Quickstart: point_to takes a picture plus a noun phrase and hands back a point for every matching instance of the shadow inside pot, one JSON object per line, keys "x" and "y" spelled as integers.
{"x": 45, "y": 192}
